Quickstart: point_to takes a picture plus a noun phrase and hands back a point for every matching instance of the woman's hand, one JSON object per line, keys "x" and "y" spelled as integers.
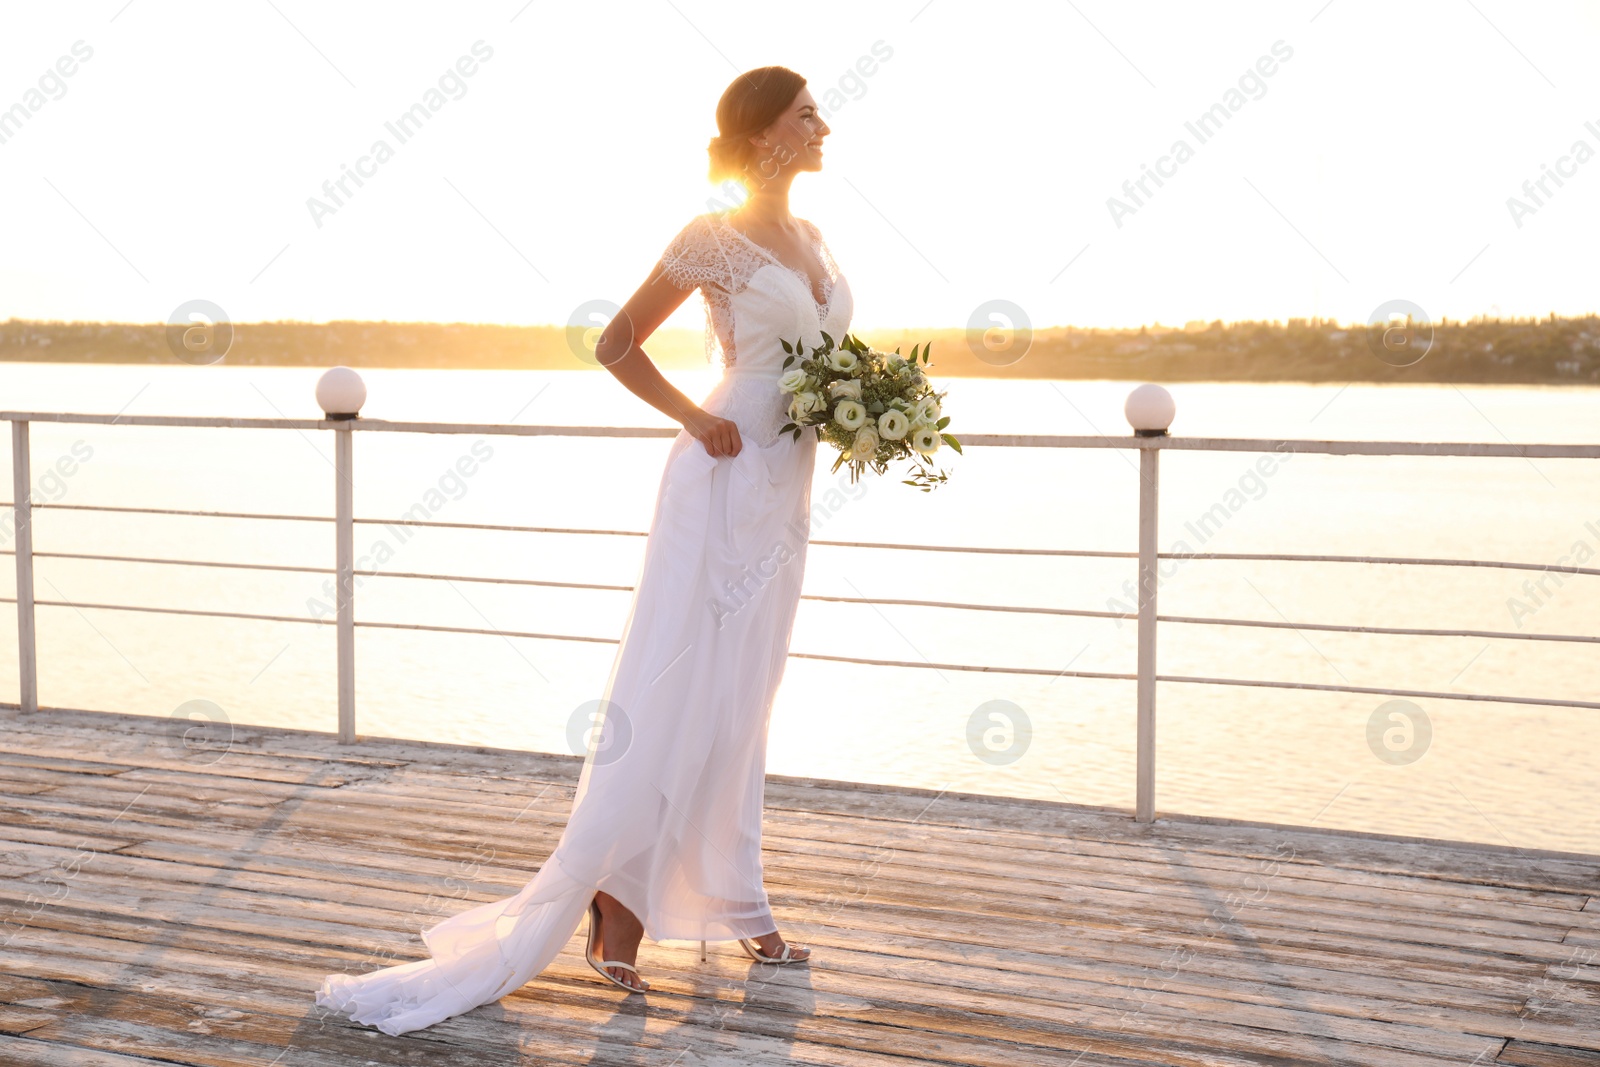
{"x": 719, "y": 436}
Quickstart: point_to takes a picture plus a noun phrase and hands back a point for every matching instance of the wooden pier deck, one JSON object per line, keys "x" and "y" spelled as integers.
{"x": 163, "y": 909}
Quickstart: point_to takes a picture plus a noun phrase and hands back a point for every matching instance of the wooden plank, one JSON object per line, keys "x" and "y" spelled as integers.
{"x": 120, "y": 736}
{"x": 156, "y": 751}
{"x": 1532, "y": 1054}
{"x": 20, "y": 1020}
{"x": 36, "y": 760}
{"x": 15, "y": 788}
{"x": 27, "y": 1052}
{"x": 150, "y": 787}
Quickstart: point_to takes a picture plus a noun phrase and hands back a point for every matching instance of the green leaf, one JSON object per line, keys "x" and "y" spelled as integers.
{"x": 787, "y": 347}
{"x": 942, "y": 423}
{"x": 827, "y": 342}
{"x": 950, "y": 440}
{"x": 787, "y": 360}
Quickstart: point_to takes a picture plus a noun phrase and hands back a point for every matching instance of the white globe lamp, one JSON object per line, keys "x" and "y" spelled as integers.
{"x": 1149, "y": 410}
{"x": 341, "y": 392}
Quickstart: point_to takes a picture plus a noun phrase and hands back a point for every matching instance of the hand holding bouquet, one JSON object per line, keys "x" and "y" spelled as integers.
{"x": 874, "y": 407}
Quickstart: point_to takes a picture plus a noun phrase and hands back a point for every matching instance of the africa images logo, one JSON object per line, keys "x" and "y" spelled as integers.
{"x": 403, "y": 128}
{"x": 1203, "y": 128}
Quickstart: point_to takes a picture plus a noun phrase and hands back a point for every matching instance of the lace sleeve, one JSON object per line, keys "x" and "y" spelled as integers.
{"x": 695, "y": 257}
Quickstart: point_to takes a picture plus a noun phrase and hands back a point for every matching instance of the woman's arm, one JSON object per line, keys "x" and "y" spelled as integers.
{"x": 619, "y": 352}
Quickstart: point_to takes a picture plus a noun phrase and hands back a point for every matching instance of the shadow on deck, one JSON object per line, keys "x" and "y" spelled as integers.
{"x": 165, "y": 906}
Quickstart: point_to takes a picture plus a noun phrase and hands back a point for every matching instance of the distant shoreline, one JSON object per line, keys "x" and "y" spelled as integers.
{"x": 1552, "y": 351}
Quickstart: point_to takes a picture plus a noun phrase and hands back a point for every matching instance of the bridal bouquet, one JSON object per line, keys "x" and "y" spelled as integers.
{"x": 874, "y": 407}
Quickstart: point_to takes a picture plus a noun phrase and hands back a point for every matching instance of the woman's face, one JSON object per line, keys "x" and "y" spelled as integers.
{"x": 794, "y": 141}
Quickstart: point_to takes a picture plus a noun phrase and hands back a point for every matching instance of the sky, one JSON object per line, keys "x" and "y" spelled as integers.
{"x": 1364, "y": 152}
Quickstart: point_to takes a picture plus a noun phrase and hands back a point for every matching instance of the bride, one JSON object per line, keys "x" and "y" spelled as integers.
{"x": 664, "y": 837}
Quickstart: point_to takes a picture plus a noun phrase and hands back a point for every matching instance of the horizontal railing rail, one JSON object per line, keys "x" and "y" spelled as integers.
{"x": 1200, "y": 444}
{"x": 1026, "y": 609}
{"x": 1148, "y": 557}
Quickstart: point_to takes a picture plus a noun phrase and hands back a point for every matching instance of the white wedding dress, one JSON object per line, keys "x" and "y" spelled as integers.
{"x": 667, "y": 815}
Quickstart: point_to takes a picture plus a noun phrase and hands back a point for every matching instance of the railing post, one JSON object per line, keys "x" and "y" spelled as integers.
{"x": 22, "y": 496}
{"x": 1145, "y": 795}
{"x": 344, "y": 579}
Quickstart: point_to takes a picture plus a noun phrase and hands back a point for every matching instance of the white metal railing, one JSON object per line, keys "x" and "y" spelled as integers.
{"x": 1148, "y": 557}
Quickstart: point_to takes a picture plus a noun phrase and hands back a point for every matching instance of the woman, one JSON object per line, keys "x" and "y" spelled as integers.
{"x": 664, "y": 838}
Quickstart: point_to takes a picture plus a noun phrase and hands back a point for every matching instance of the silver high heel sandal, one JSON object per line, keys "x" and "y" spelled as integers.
{"x": 601, "y": 965}
{"x": 786, "y": 956}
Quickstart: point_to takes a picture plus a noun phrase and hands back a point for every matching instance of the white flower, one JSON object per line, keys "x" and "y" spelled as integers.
{"x": 850, "y": 414}
{"x": 927, "y": 410}
{"x": 893, "y": 424}
{"x": 841, "y": 359}
{"x": 804, "y": 403}
{"x": 896, "y": 364}
{"x": 849, "y": 388}
{"x": 925, "y": 440}
{"x": 866, "y": 443}
{"x": 793, "y": 380}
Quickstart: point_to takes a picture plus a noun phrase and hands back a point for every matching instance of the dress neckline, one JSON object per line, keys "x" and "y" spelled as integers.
{"x": 816, "y": 248}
